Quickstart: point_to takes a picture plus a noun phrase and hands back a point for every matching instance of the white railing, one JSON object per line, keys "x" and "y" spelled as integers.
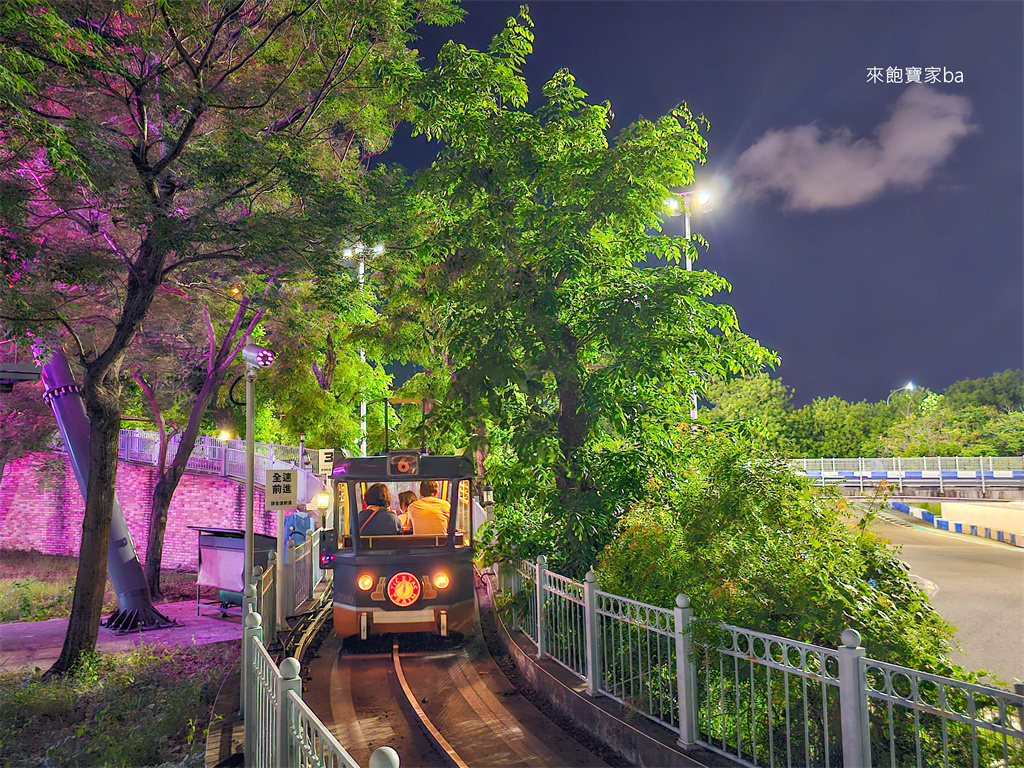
{"x": 300, "y": 559}
{"x": 280, "y": 728}
{"x": 916, "y": 471}
{"x": 760, "y": 699}
{"x": 211, "y": 455}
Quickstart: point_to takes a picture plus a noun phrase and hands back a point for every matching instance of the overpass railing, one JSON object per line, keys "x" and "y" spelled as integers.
{"x": 927, "y": 471}
{"x": 757, "y": 698}
{"x": 212, "y": 455}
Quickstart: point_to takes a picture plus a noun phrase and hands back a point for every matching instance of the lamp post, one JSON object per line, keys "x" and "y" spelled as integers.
{"x": 255, "y": 357}
{"x": 702, "y": 198}
{"x": 909, "y": 387}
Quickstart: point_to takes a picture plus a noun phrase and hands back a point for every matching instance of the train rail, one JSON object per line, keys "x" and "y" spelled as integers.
{"x": 446, "y": 707}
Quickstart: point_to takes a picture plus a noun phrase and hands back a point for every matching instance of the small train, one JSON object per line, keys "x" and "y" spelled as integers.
{"x": 401, "y": 582}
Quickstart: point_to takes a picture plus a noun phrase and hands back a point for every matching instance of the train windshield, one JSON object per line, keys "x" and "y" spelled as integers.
{"x": 403, "y": 513}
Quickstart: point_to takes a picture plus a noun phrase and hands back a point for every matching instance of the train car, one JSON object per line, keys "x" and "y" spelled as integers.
{"x": 408, "y": 582}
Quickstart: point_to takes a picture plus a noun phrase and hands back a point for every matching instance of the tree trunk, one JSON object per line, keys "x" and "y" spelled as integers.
{"x": 90, "y": 582}
{"x": 168, "y": 482}
{"x": 573, "y": 417}
{"x": 103, "y": 408}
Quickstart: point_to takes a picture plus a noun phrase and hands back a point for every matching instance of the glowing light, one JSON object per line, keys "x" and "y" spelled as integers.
{"x": 910, "y": 386}
{"x": 441, "y": 580}
{"x": 364, "y": 582}
{"x": 703, "y": 198}
{"x": 378, "y": 249}
{"x": 235, "y": 290}
{"x": 672, "y": 204}
{"x": 225, "y": 435}
{"x": 404, "y": 589}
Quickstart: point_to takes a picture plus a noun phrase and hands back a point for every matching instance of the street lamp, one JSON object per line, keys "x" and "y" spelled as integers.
{"x": 909, "y": 387}
{"x": 701, "y": 198}
{"x": 255, "y": 357}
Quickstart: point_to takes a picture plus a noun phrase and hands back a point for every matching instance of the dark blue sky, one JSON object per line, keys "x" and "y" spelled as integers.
{"x": 918, "y": 273}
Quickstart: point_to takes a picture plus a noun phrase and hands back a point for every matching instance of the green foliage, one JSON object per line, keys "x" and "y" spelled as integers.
{"x": 526, "y": 287}
{"x": 753, "y": 545}
{"x": 141, "y": 707}
{"x": 974, "y": 417}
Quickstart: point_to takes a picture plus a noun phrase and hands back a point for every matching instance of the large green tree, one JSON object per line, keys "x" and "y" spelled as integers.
{"x": 219, "y": 146}
{"x": 530, "y": 272}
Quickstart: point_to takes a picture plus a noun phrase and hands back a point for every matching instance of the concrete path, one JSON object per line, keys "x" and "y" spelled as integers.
{"x": 38, "y": 643}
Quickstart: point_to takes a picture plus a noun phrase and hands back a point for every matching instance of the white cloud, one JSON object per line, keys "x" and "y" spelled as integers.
{"x": 814, "y": 169}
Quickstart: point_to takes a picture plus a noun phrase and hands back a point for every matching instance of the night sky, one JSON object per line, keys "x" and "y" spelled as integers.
{"x": 872, "y": 231}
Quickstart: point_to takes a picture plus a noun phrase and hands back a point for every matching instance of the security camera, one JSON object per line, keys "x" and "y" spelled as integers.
{"x": 258, "y": 356}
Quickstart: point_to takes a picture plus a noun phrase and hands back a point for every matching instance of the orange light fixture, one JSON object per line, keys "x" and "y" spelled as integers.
{"x": 364, "y": 582}
{"x": 441, "y": 580}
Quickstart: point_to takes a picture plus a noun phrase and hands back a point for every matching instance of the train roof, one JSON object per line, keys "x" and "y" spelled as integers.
{"x": 402, "y": 465}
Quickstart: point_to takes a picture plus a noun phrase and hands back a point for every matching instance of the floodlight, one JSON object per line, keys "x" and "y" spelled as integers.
{"x": 257, "y": 356}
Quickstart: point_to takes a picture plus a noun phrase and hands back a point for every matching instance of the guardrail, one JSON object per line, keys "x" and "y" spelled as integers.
{"x": 757, "y": 698}
{"x": 212, "y": 455}
{"x": 280, "y": 728}
{"x": 917, "y": 471}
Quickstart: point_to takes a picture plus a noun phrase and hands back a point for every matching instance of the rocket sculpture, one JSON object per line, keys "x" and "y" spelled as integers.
{"x": 135, "y": 609}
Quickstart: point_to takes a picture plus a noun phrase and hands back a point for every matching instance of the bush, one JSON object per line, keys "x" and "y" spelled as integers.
{"x": 754, "y": 545}
{"x": 144, "y": 707}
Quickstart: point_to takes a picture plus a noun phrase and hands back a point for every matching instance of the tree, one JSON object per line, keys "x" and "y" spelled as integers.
{"x": 220, "y": 146}
{"x": 529, "y": 269}
{"x": 1002, "y": 391}
{"x": 762, "y": 405}
{"x": 219, "y": 358}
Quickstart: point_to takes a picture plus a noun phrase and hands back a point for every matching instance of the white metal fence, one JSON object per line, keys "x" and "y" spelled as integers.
{"x": 212, "y": 455}
{"x": 761, "y": 699}
{"x": 280, "y": 728}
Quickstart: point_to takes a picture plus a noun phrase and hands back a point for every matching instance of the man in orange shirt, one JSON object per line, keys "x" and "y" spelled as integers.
{"x": 429, "y": 514}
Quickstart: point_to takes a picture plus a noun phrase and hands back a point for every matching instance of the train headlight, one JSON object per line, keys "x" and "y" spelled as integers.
{"x": 441, "y": 580}
{"x": 365, "y": 582}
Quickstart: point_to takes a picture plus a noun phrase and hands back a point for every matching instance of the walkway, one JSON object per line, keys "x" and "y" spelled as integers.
{"x": 38, "y": 643}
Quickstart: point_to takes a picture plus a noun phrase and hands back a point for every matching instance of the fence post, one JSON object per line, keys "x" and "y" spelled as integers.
{"x": 541, "y": 624}
{"x": 248, "y": 606}
{"x": 252, "y": 631}
{"x": 289, "y": 681}
{"x": 289, "y": 581}
{"x": 853, "y": 702}
{"x": 594, "y": 673}
{"x": 686, "y": 675}
{"x": 223, "y": 458}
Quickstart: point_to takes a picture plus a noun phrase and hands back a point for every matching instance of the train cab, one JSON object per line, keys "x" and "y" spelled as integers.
{"x": 409, "y": 581}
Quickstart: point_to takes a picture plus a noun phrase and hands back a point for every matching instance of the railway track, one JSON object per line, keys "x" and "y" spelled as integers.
{"x": 450, "y": 707}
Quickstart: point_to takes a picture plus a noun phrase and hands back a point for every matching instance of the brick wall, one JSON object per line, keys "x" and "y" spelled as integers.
{"x": 47, "y": 516}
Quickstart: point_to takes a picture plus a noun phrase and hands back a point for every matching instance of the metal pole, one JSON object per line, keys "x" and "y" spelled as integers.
{"x": 362, "y": 357}
{"x": 689, "y": 268}
{"x": 250, "y": 466}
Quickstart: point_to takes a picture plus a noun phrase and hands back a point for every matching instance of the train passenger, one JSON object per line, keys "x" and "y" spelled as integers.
{"x": 429, "y": 514}
{"x": 405, "y": 498}
{"x": 378, "y": 519}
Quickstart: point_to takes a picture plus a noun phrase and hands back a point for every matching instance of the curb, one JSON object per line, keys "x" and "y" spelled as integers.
{"x": 940, "y": 523}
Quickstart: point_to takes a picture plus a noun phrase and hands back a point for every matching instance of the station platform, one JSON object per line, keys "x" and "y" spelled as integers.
{"x": 38, "y": 643}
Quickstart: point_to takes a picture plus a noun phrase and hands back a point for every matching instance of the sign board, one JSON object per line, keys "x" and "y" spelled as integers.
{"x": 281, "y": 490}
{"x": 403, "y": 463}
{"x": 325, "y": 463}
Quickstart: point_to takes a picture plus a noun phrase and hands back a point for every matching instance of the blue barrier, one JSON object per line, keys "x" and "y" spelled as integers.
{"x": 899, "y": 505}
{"x": 942, "y": 525}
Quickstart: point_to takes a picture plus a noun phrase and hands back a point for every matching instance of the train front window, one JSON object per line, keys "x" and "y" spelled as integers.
{"x": 403, "y": 513}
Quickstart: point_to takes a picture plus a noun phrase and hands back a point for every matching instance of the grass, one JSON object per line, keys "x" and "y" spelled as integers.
{"x": 36, "y": 587}
{"x": 144, "y": 707}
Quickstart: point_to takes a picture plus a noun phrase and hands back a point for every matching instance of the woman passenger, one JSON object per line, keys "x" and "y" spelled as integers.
{"x": 378, "y": 519}
{"x": 405, "y": 498}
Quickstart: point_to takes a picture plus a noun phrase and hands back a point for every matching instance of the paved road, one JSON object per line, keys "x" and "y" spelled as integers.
{"x": 975, "y": 584}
